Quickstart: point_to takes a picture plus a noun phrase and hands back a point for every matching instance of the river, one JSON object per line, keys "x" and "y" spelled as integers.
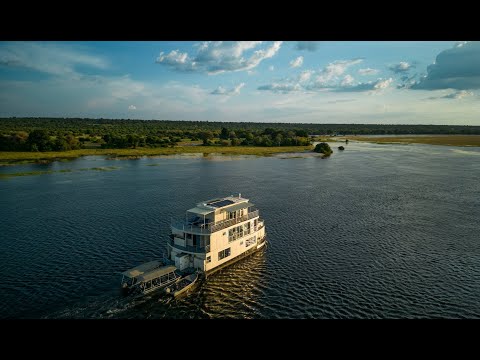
{"x": 375, "y": 231}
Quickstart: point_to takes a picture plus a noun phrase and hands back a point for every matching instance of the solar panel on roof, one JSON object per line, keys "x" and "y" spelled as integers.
{"x": 221, "y": 203}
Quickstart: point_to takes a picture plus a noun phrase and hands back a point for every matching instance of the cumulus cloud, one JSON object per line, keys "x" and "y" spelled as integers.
{"x": 401, "y": 67}
{"x": 307, "y": 45}
{"x": 456, "y": 68}
{"x": 216, "y": 57}
{"x": 457, "y": 95}
{"x": 132, "y": 107}
{"x": 332, "y": 72}
{"x": 296, "y": 62}
{"x": 348, "y": 80}
{"x": 284, "y": 86}
{"x": 331, "y": 78}
{"x": 48, "y": 58}
{"x": 305, "y": 76}
{"x": 374, "y": 86}
{"x": 368, "y": 71}
{"x": 180, "y": 61}
{"x": 223, "y": 91}
{"x": 281, "y": 87}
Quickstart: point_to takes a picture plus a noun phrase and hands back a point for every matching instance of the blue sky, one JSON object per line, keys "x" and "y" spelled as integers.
{"x": 269, "y": 81}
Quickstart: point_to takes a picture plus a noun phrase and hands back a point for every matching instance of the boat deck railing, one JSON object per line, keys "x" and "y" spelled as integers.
{"x": 212, "y": 227}
{"x": 189, "y": 248}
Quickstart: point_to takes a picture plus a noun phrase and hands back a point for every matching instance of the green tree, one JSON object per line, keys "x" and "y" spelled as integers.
{"x": 323, "y": 148}
{"x": 205, "y": 136}
{"x": 40, "y": 139}
{"x": 60, "y": 144}
{"x": 224, "y": 133}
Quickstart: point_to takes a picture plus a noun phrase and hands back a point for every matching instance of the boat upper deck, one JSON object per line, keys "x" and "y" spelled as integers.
{"x": 165, "y": 270}
{"x": 229, "y": 203}
{"x": 141, "y": 269}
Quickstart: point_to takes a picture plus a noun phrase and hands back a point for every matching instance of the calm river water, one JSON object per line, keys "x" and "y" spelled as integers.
{"x": 376, "y": 231}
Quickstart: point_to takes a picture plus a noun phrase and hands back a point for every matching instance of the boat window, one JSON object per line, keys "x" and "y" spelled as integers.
{"x": 209, "y": 259}
{"x": 250, "y": 241}
{"x": 223, "y": 254}
{"x": 164, "y": 278}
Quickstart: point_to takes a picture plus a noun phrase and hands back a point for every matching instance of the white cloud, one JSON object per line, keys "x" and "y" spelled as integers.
{"x": 271, "y": 68}
{"x": 368, "y": 71}
{"x": 457, "y": 95}
{"x": 281, "y": 87}
{"x": 216, "y": 57}
{"x": 401, "y": 67}
{"x": 177, "y": 59}
{"x": 223, "y": 91}
{"x": 48, "y": 58}
{"x": 132, "y": 107}
{"x": 460, "y": 43}
{"x": 332, "y": 71}
{"x": 347, "y": 81}
{"x": 383, "y": 84}
{"x": 307, "y": 45}
{"x": 372, "y": 86}
{"x": 290, "y": 84}
{"x": 296, "y": 62}
{"x": 332, "y": 78}
{"x": 305, "y": 76}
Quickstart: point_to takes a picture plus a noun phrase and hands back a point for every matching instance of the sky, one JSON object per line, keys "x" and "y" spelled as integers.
{"x": 261, "y": 81}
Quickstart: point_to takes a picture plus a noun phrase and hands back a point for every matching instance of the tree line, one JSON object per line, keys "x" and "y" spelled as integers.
{"x": 59, "y": 134}
{"x": 100, "y": 127}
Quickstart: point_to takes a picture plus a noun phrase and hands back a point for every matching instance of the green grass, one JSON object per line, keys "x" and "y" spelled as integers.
{"x": 26, "y": 173}
{"x": 39, "y": 172}
{"x": 448, "y": 140}
{"x": 12, "y": 157}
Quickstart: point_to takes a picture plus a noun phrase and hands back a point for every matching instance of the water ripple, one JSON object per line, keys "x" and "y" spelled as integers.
{"x": 374, "y": 232}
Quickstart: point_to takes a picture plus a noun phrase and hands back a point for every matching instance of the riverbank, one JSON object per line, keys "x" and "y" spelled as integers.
{"x": 447, "y": 140}
{"x": 13, "y": 157}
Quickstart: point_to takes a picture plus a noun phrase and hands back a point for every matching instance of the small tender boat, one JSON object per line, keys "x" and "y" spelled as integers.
{"x": 148, "y": 277}
{"x": 182, "y": 285}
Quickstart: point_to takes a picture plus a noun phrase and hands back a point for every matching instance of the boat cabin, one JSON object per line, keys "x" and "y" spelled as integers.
{"x": 150, "y": 280}
{"x": 130, "y": 277}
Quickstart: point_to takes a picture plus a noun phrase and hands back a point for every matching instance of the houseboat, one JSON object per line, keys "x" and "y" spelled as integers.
{"x": 216, "y": 233}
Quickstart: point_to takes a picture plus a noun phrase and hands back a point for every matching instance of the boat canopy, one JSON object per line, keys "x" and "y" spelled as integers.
{"x": 240, "y": 206}
{"x": 141, "y": 269}
{"x": 156, "y": 273}
{"x": 201, "y": 211}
